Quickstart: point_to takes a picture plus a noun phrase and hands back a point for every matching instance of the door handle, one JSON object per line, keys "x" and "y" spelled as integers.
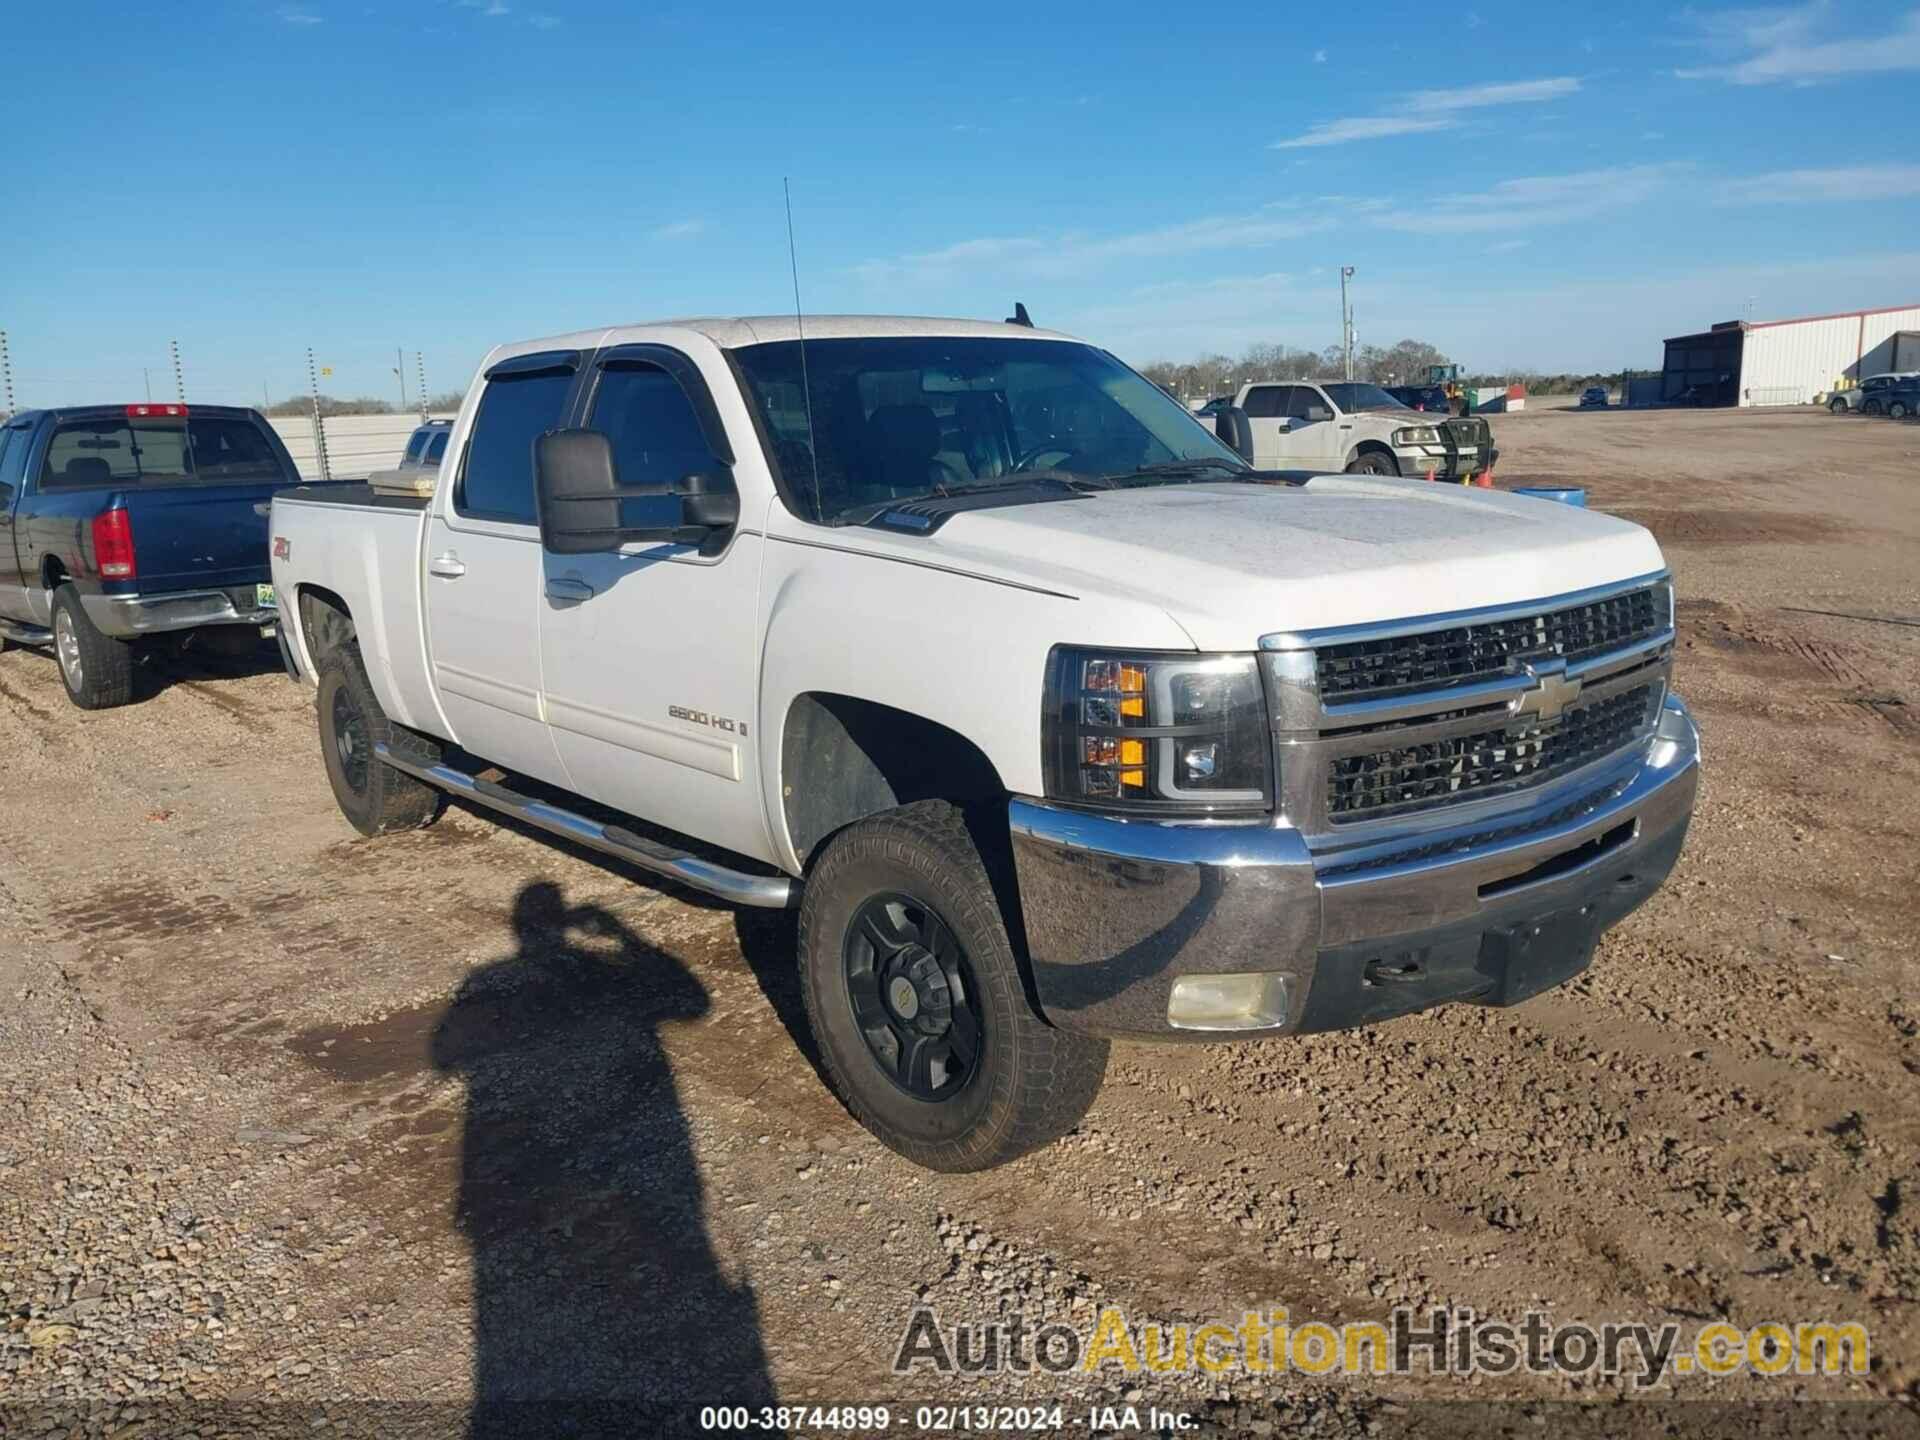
{"x": 563, "y": 589}
{"x": 447, "y": 566}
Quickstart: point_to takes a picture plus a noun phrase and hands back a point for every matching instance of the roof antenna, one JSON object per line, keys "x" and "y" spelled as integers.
{"x": 806, "y": 389}
{"x": 1020, "y": 316}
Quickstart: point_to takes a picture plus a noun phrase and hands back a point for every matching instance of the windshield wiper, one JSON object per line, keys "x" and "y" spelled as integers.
{"x": 1064, "y": 482}
{"x": 1172, "y": 469}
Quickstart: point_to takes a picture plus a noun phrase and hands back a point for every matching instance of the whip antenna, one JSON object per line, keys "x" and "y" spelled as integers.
{"x": 799, "y": 325}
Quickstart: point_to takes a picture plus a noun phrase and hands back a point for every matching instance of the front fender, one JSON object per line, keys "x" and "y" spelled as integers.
{"x": 962, "y": 650}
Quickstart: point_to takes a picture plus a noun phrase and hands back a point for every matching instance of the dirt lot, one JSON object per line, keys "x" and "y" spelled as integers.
{"x": 298, "y": 1118}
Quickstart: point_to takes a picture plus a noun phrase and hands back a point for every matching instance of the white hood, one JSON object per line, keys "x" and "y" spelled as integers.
{"x": 1232, "y": 562}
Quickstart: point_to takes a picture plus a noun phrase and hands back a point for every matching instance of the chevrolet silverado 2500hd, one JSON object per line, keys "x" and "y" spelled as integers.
{"x": 1055, "y": 720}
{"x": 119, "y": 523}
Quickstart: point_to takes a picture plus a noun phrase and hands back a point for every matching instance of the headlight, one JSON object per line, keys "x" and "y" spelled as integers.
{"x": 1417, "y": 435}
{"x": 1156, "y": 732}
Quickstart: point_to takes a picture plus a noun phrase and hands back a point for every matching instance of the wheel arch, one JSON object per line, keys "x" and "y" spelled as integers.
{"x": 1374, "y": 447}
{"x": 325, "y": 623}
{"x": 843, "y": 758}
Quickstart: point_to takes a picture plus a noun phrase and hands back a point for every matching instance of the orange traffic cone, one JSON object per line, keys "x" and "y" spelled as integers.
{"x": 1430, "y": 473}
{"x": 1484, "y": 479}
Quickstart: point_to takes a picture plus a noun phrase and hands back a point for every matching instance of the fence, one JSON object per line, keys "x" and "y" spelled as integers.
{"x": 356, "y": 444}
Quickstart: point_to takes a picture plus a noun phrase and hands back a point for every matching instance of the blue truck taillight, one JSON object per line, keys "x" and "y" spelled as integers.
{"x": 113, "y": 545}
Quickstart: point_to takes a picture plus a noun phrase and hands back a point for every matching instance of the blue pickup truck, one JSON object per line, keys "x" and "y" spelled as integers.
{"x": 119, "y": 523}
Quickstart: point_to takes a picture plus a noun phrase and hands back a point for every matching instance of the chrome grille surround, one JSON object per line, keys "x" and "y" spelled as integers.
{"x": 1455, "y": 752}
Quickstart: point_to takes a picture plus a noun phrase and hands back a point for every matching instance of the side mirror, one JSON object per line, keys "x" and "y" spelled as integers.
{"x": 1318, "y": 412}
{"x": 578, "y": 493}
{"x": 1232, "y": 426}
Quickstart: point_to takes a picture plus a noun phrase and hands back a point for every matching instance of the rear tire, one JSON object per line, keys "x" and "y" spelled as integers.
{"x": 96, "y": 669}
{"x": 376, "y": 799}
{"x": 1897, "y": 410}
{"x": 1838, "y": 406}
{"x": 1870, "y": 407}
{"x": 901, "y": 936}
{"x": 1372, "y": 463}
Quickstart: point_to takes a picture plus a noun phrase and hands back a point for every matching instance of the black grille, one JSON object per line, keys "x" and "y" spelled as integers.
{"x": 1489, "y": 649}
{"x": 1463, "y": 767}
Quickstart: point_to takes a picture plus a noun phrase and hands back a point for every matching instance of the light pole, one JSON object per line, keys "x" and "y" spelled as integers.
{"x": 1346, "y": 321}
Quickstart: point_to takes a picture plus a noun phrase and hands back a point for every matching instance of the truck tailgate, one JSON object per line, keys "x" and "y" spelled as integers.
{"x": 191, "y": 537}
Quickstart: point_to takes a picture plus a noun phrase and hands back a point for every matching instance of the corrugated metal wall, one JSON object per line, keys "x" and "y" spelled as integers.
{"x": 356, "y": 444}
{"x": 1791, "y": 362}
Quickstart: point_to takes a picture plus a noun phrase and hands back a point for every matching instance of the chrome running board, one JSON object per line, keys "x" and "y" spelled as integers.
{"x": 772, "y": 892}
{"x": 22, "y": 633}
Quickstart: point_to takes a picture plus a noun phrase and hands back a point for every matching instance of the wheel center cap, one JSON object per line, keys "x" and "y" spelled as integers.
{"x": 903, "y": 997}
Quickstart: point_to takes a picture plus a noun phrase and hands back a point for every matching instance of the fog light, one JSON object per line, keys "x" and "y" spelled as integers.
{"x": 1248, "y": 1001}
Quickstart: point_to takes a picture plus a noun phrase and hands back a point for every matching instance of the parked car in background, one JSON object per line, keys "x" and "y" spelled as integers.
{"x": 1900, "y": 401}
{"x": 1055, "y": 720}
{"x": 1864, "y": 398}
{"x": 427, "y": 446}
{"x": 1424, "y": 398}
{"x": 1213, "y": 407}
{"x": 1594, "y": 397}
{"x": 1336, "y": 425}
{"x": 120, "y": 523}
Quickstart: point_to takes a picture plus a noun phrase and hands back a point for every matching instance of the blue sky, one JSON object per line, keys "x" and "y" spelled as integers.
{"x": 1548, "y": 187}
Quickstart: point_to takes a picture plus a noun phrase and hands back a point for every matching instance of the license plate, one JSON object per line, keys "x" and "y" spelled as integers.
{"x": 263, "y": 597}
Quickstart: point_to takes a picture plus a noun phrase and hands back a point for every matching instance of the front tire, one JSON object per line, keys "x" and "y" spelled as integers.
{"x": 376, "y": 799}
{"x": 96, "y": 668}
{"x": 1897, "y": 410}
{"x": 1372, "y": 463}
{"x": 918, "y": 1004}
{"x": 1837, "y": 406}
{"x": 1870, "y": 407}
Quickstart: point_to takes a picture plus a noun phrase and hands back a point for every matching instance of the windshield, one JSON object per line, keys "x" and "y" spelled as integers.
{"x": 902, "y": 417}
{"x": 1361, "y": 397}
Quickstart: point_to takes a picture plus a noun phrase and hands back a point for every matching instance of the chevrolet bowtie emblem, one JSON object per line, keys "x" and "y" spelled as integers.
{"x": 1552, "y": 692}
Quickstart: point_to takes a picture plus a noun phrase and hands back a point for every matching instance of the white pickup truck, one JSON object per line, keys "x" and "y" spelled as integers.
{"x": 1055, "y": 720}
{"x": 1354, "y": 427}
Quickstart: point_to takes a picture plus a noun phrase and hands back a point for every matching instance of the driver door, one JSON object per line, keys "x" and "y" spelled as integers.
{"x": 1313, "y": 431}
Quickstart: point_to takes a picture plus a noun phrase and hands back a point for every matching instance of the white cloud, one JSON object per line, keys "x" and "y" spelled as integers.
{"x": 1319, "y": 57}
{"x": 1853, "y": 182}
{"x": 1427, "y": 110}
{"x": 1066, "y": 254}
{"x": 1806, "y": 44}
{"x": 1361, "y": 127}
{"x": 541, "y": 21}
{"x": 1472, "y": 97}
{"x": 680, "y": 229}
{"x": 1534, "y": 200}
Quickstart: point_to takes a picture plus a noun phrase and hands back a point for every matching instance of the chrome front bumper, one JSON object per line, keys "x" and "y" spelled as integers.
{"x": 1116, "y": 911}
{"x": 126, "y": 616}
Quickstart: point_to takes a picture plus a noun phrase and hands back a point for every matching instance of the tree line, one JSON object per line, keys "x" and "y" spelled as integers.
{"x": 330, "y": 405}
{"x": 1404, "y": 363}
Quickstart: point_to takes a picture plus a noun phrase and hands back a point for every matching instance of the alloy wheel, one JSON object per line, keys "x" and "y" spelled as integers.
{"x": 351, "y": 744}
{"x": 913, "y": 996}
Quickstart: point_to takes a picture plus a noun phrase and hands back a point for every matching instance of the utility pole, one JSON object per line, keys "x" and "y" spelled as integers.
{"x": 179, "y": 380}
{"x": 400, "y": 372}
{"x": 421, "y": 388}
{"x": 319, "y": 430}
{"x": 146, "y": 379}
{"x": 1346, "y": 320}
{"x": 6, "y": 370}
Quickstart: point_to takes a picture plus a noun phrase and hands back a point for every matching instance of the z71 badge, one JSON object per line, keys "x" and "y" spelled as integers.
{"x": 701, "y": 717}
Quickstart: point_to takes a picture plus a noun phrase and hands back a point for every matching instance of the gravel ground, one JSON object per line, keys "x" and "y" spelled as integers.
{"x": 307, "y": 1132}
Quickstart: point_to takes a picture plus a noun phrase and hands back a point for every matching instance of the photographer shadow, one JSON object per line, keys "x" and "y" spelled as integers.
{"x": 600, "y": 1307}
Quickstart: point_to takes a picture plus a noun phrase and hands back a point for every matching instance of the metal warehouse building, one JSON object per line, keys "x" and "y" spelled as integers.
{"x": 1788, "y": 362}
